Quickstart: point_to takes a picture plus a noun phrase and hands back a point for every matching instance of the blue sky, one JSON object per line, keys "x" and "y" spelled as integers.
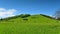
{"x": 47, "y": 7}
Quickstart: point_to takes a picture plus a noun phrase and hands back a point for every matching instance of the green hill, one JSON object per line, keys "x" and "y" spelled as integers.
{"x": 31, "y": 24}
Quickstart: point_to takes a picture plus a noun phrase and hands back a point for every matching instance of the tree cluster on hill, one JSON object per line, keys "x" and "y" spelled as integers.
{"x": 46, "y": 16}
{"x": 21, "y": 16}
{"x": 24, "y": 15}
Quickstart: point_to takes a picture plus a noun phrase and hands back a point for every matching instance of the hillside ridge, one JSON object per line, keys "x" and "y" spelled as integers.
{"x": 25, "y": 15}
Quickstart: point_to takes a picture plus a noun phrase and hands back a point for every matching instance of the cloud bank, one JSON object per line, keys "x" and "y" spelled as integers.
{"x": 7, "y": 12}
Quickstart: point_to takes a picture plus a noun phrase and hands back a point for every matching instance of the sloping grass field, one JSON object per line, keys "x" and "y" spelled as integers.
{"x": 35, "y": 24}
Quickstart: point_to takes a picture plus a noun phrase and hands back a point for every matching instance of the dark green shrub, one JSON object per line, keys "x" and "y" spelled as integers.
{"x": 25, "y": 19}
{"x": 1, "y": 19}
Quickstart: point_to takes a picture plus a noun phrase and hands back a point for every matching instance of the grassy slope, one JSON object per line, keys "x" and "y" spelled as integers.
{"x": 36, "y": 24}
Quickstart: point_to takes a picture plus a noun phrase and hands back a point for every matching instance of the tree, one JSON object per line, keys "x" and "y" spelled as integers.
{"x": 57, "y": 15}
{"x": 24, "y": 15}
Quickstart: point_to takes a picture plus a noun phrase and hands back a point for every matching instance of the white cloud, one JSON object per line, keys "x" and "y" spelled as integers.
{"x": 6, "y": 13}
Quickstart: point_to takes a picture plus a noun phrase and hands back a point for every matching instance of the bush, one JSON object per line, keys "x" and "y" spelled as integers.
{"x": 25, "y": 19}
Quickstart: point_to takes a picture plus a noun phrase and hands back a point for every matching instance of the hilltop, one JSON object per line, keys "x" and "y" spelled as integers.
{"x": 39, "y": 18}
{"x": 29, "y": 24}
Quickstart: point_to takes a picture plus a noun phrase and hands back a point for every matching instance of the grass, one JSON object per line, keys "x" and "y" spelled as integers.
{"x": 36, "y": 24}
